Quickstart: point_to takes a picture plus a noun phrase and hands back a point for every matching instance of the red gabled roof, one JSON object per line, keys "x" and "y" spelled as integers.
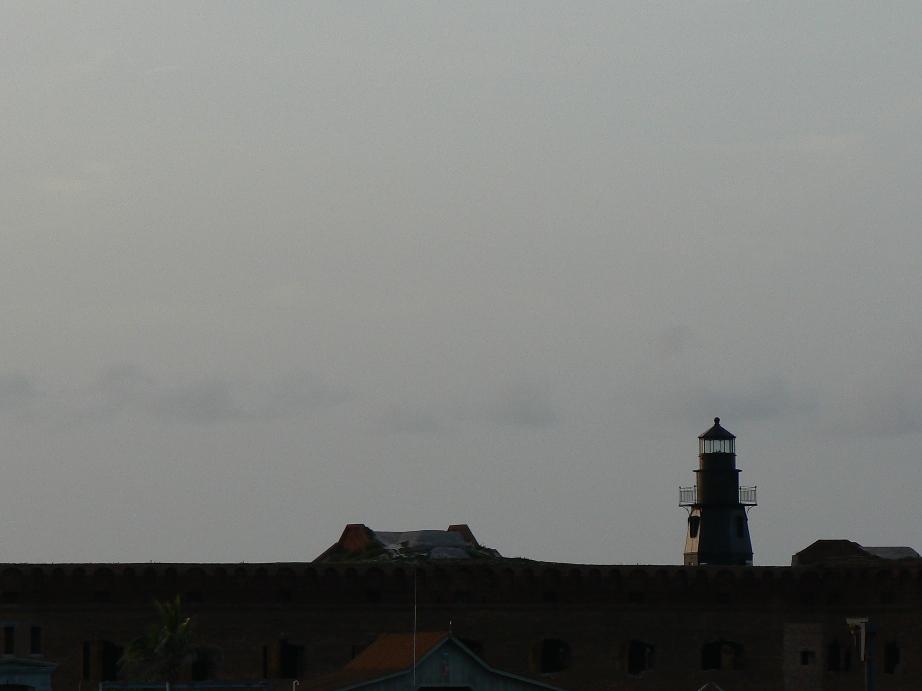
{"x": 394, "y": 651}
{"x": 389, "y": 654}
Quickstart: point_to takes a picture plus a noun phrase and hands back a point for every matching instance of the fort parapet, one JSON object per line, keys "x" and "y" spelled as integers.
{"x": 459, "y": 583}
{"x": 584, "y": 627}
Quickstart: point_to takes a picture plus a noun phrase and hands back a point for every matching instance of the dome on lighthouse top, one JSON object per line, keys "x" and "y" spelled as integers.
{"x": 717, "y": 432}
{"x": 717, "y": 440}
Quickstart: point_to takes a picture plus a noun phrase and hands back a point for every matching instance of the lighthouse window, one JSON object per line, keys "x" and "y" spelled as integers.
{"x": 717, "y": 445}
{"x": 693, "y": 523}
{"x": 740, "y": 527}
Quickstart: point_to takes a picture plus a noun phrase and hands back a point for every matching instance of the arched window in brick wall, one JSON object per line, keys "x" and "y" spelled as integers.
{"x": 100, "y": 660}
{"x": 833, "y": 657}
{"x": 35, "y": 639}
{"x": 201, "y": 670}
{"x": 9, "y": 638}
{"x": 891, "y": 657}
{"x": 838, "y": 657}
{"x": 550, "y": 655}
{"x": 283, "y": 660}
{"x": 721, "y": 654}
{"x": 635, "y": 657}
{"x": 807, "y": 657}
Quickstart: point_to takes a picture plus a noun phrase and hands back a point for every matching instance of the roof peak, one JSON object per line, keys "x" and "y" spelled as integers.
{"x": 717, "y": 432}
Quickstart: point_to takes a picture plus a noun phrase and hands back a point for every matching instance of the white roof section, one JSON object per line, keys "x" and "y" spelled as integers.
{"x": 439, "y": 544}
{"x": 892, "y": 552}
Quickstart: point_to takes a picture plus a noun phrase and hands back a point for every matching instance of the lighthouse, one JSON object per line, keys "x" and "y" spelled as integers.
{"x": 718, "y": 527}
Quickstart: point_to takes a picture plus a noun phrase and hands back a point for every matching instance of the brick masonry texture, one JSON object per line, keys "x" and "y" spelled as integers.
{"x": 780, "y": 620}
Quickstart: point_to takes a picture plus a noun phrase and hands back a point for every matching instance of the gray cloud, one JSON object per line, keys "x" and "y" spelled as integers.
{"x": 882, "y": 406}
{"x": 214, "y": 399}
{"x": 406, "y": 421}
{"x": 203, "y": 402}
{"x": 752, "y": 401}
{"x": 893, "y": 412}
{"x": 279, "y": 398}
{"x": 122, "y": 384}
{"x": 519, "y": 403}
{"x": 565, "y": 192}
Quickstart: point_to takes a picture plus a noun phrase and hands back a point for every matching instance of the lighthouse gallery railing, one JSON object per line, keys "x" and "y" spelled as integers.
{"x": 688, "y": 496}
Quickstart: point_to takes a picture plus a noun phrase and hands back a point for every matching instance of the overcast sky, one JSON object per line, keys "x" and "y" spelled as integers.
{"x": 272, "y": 268}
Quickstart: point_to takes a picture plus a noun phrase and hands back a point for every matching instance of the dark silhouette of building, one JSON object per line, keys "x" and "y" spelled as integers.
{"x": 577, "y": 627}
{"x": 716, "y": 622}
{"x": 359, "y": 542}
{"x": 718, "y": 528}
{"x": 830, "y": 552}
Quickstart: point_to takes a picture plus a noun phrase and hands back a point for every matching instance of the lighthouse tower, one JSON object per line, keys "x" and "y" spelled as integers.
{"x": 718, "y": 529}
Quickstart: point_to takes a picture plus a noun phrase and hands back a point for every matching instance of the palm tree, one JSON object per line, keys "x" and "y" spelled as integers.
{"x": 167, "y": 648}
